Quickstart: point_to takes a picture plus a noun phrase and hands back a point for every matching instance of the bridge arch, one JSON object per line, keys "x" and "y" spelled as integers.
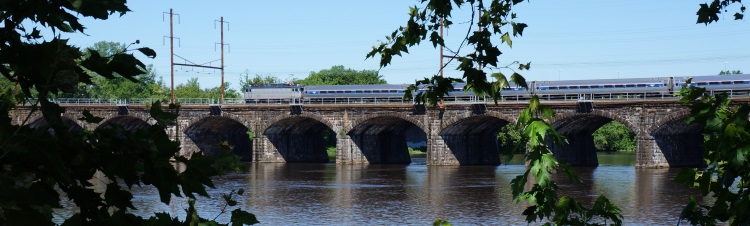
{"x": 299, "y": 138}
{"x": 40, "y": 122}
{"x": 208, "y": 132}
{"x": 287, "y": 116}
{"x": 473, "y": 139}
{"x": 499, "y": 115}
{"x": 400, "y": 115}
{"x": 382, "y": 137}
{"x": 578, "y": 129}
{"x": 681, "y": 144}
{"x": 129, "y": 123}
{"x": 677, "y": 115}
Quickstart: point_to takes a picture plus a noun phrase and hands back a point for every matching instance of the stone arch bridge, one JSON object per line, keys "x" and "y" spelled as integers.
{"x": 375, "y": 134}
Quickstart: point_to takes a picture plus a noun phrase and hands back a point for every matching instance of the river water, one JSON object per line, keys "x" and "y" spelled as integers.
{"x": 415, "y": 194}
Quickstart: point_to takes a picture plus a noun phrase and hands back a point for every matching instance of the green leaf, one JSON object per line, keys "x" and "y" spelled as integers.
{"x": 89, "y": 118}
{"x": 441, "y": 222}
{"x": 150, "y": 53}
{"x": 240, "y": 217}
{"x": 506, "y": 39}
{"x": 519, "y": 80}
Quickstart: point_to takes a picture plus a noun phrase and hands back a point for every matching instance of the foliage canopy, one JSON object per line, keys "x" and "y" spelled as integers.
{"x": 338, "y": 75}
{"x": 40, "y": 165}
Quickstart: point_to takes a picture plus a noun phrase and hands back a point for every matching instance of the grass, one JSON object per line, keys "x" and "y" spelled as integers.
{"x": 421, "y": 150}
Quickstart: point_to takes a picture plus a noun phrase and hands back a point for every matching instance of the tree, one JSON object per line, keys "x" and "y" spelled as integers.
{"x": 497, "y": 24}
{"x": 338, "y": 75}
{"x": 38, "y": 167}
{"x": 614, "y": 136}
{"x": 509, "y": 137}
{"x": 148, "y": 85}
{"x": 725, "y": 125}
{"x": 497, "y": 20}
{"x": 245, "y": 80}
{"x": 730, "y": 72}
{"x": 192, "y": 89}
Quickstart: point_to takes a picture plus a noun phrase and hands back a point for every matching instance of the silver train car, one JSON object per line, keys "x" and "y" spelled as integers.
{"x": 737, "y": 84}
{"x": 551, "y": 90}
{"x": 272, "y": 93}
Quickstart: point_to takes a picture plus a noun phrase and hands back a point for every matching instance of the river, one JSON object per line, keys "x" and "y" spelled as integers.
{"x": 415, "y": 194}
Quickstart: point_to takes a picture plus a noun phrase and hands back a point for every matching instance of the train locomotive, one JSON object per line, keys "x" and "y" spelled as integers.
{"x": 548, "y": 90}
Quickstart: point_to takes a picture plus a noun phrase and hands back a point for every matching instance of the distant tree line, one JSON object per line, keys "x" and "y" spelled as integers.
{"x": 730, "y": 72}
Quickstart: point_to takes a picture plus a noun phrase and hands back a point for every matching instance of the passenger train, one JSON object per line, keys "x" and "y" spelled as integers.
{"x": 552, "y": 90}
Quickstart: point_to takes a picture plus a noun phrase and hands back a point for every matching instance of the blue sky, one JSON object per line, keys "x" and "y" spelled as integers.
{"x": 586, "y": 39}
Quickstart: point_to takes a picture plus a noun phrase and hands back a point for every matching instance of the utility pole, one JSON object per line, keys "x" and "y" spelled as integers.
{"x": 222, "y": 58}
{"x": 221, "y": 26}
{"x": 171, "y": 54}
{"x": 191, "y": 64}
{"x": 441, "y": 47}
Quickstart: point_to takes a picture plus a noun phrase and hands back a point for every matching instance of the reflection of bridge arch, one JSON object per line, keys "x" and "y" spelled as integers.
{"x": 298, "y": 138}
{"x": 473, "y": 139}
{"x": 381, "y": 137}
{"x": 208, "y": 133}
{"x": 680, "y": 144}
{"x": 578, "y": 129}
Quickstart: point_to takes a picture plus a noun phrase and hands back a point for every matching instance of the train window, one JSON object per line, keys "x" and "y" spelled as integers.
{"x": 726, "y": 82}
{"x": 640, "y": 85}
{"x": 585, "y": 87}
{"x": 359, "y": 91}
{"x": 384, "y": 91}
{"x": 700, "y": 83}
{"x": 368, "y": 91}
{"x": 376, "y": 91}
{"x": 552, "y": 87}
{"x": 713, "y": 83}
{"x": 609, "y": 86}
{"x": 619, "y": 86}
{"x": 347, "y": 91}
{"x": 399, "y": 91}
{"x": 339, "y": 91}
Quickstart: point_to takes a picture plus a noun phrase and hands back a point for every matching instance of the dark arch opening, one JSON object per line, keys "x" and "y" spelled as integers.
{"x": 383, "y": 140}
{"x": 208, "y": 133}
{"x": 300, "y": 139}
{"x": 72, "y": 126}
{"x": 473, "y": 140}
{"x": 681, "y": 144}
{"x": 579, "y": 130}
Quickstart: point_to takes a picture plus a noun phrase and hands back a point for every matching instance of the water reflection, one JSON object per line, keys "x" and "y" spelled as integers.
{"x": 324, "y": 194}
